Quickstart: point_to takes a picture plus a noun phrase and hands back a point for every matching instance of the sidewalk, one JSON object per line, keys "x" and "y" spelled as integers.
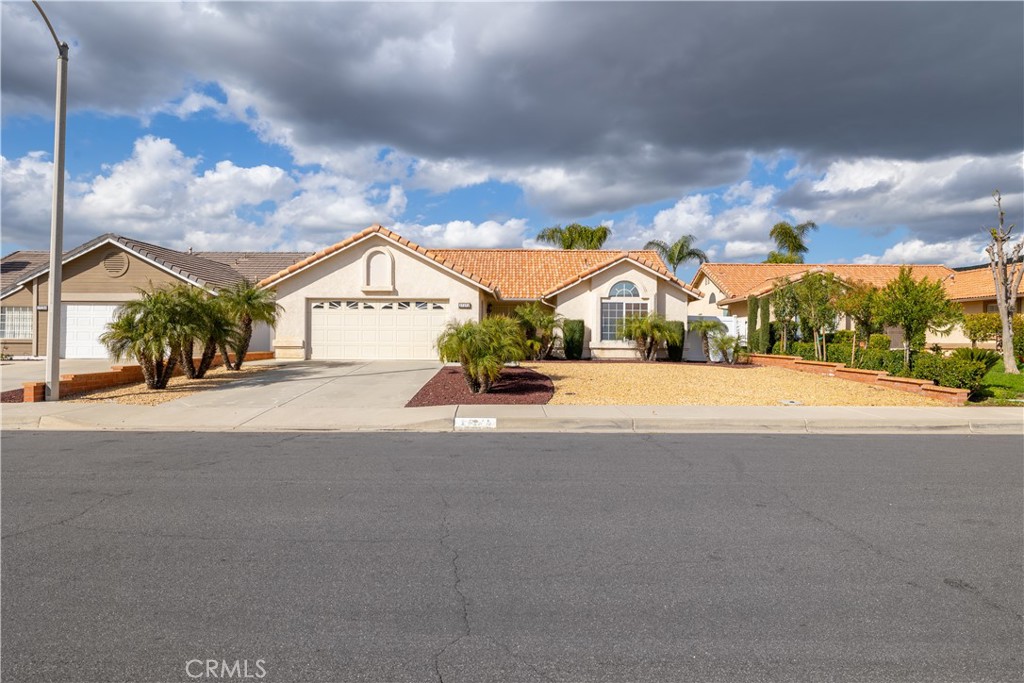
{"x": 179, "y": 416}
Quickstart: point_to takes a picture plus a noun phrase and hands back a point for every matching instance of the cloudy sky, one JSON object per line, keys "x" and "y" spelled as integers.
{"x": 289, "y": 126}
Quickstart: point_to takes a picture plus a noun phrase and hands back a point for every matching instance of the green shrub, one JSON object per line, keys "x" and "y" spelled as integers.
{"x": 877, "y": 359}
{"x": 929, "y": 366}
{"x": 572, "y": 332}
{"x": 675, "y": 351}
{"x": 838, "y": 353}
{"x": 987, "y": 358}
{"x": 982, "y": 327}
{"x": 803, "y": 349}
{"x": 764, "y": 329}
{"x": 880, "y": 342}
{"x": 752, "y": 333}
{"x": 482, "y": 348}
{"x": 961, "y": 373}
{"x": 1018, "y": 337}
{"x": 777, "y": 347}
{"x": 843, "y": 337}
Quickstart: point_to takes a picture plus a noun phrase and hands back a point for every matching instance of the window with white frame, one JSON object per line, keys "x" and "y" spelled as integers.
{"x": 16, "y": 322}
{"x": 623, "y": 301}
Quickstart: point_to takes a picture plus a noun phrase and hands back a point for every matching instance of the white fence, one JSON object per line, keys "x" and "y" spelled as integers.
{"x": 693, "y": 350}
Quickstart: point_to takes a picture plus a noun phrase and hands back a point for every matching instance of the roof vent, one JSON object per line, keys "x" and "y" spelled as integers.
{"x": 115, "y": 263}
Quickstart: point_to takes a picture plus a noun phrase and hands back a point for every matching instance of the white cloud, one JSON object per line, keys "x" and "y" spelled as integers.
{"x": 466, "y": 234}
{"x": 961, "y": 252}
{"x": 741, "y": 249}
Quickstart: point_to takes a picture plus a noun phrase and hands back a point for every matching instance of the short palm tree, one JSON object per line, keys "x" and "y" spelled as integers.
{"x": 727, "y": 346}
{"x": 790, "y": 240}
{"x": 539, "y": 324}
{"x": 679, "y": 252}
{"x": 648, "y": 332}
{"x": 482, "y": 348}
{"x": 245, "y": 303}
{"x": 705, "y": 328}
{"x": 575, "y": 236}
{"x": 146, "y": 330}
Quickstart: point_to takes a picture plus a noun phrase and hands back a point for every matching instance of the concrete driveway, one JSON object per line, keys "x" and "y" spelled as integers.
{"x": 14, "y": 373}
{"x": 306, "y": 393}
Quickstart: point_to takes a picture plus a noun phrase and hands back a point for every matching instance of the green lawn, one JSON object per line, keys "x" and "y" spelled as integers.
{"x": 1001, "y": 388}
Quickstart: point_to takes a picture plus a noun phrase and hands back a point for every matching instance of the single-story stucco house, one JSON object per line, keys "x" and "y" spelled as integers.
{"x": 378, "y": 295}
{"x": 725, "y": 288}
{"x": 372, "y": 295}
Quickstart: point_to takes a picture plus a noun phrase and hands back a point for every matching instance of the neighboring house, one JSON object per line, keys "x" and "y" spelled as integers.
{"x": 378, "y": 295}
{"x": 100, "y": 275}
{"x": 974, "y": 289}
{"x": 726, "y": 286}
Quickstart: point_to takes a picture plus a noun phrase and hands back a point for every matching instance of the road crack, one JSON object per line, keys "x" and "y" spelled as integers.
{"x": 456, "y": 586}
{"x": 65, "y": 520}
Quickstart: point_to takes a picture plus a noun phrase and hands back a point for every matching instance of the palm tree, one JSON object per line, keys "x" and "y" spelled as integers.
{"x": 727, "y": 346}
{"x": 245, "y": 303}
{"x": 648, "y": 332}
{"x": 706, "y": 327}
{"x": 146, "y": 330}
{"x": 790, "y": 240}
{"x": 539, "y": 324}
{"x": 575, "y": 236}
{"x": 482, "y": 348}
{"x": 679, "y": 252}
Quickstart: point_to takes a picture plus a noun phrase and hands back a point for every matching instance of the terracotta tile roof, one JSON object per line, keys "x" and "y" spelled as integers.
{"x": 740, "y": 280}
{"x": 973, "y": 284}
{"x": 533, "y": 273}
{"x": 255, "y": 265}
{"x": 373, "y": 229}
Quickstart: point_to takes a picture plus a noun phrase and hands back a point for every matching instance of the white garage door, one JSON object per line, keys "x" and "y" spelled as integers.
{"x": 82, "y": 325}
{"x": 359, "y": 329}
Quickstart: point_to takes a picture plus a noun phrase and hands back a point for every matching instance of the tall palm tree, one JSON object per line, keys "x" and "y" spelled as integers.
{"x": 790, "y": 240}
{"x": 575, "y": 236}
{"x": 245, "y": 303}
{"x": 679, "y": 252}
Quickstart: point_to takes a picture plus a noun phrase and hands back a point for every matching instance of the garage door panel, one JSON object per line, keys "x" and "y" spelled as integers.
{"x": 82, "y": 325}
{"x": 357, "y": 329}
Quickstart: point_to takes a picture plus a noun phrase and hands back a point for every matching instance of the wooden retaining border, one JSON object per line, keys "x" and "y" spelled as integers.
{"x": 923, "y": 387}
{"x": 118, "y": 375}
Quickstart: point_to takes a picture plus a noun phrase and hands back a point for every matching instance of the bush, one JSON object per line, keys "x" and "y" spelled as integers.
{"x": 982, "y": 327}
{"x": 675, "y": 351}
{"x": 961, "y": 373}
{"x": 803, "y": 349}
{"x": 573, "y": 331}
{"x": 929, "y": 366}
{"x": 1018, "y": 337}
{"x": 877, "y": 359}
{"x": 777, "y": 348}
{"x": 839, "y": 353}
{"x": 482, "y": 348}
{"x": 843, "y": 337}
{"x": 987, "y": 358}
{"x": 880, "y": 342}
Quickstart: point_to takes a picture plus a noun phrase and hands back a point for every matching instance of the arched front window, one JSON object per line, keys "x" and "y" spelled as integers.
{"x": 711, "y": 299}
{"x": 378, "y": 271}
{"x": 623, "y": 301}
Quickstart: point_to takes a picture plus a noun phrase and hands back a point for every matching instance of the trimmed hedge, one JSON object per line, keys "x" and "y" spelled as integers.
{"x": 880, "y": 342}
{"x": 889, "y": 361}
{"x": 572, "y": 332}
{"x": 675, "y": 351}
{"x": 842, "y": 337}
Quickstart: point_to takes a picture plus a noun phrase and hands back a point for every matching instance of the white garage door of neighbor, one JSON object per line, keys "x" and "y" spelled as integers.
{"x": 82, "y": 325}
{"x": 359, "y": 329}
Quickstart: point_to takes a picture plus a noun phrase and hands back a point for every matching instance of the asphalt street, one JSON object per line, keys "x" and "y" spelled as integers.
{"x": 511, "y": 557}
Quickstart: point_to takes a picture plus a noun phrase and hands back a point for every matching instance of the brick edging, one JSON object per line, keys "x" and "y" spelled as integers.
{"x": 118, "y": 375}
{"x": 922, "y": 387}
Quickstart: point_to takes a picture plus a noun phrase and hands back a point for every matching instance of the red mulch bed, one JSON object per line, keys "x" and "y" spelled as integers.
{"x": 13, "y": 396}
{"x": 515, "y": 386}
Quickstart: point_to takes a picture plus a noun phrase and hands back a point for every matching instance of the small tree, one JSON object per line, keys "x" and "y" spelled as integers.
{"x": 786, "y": 307}
{"x": 649, "y": 332}
{"x": 146, "y": 330}
{"x": 982, "y": 327}
{"x": 752, "y": 311}
{"x": 705, "y": 328}
{"x": 916, "y": 307}
{"x": 727, "y": 346}
{"x": 764, "y": 330}
{"x": 859, "y": 302}
{"x": 482, "y": 348}
{"x": 1007, "y": 271}
{"x": 245, "y": 304}
{"x": 816, "y": 296}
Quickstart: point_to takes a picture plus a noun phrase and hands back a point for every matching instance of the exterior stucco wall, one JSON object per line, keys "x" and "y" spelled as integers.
{"x": 704, "y": 306}
{"x": 583, "y": 302}
{"x": 341, "y": 275}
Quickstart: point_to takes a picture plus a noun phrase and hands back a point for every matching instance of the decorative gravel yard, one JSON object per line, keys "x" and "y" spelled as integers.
{"x": 608, "y": 383}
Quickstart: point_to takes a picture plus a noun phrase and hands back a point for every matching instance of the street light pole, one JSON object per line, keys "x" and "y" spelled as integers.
{"x": 53, "y": 310}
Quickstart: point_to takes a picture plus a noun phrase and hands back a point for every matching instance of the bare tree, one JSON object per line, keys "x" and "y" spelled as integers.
{"x": 1007, "y": 269}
